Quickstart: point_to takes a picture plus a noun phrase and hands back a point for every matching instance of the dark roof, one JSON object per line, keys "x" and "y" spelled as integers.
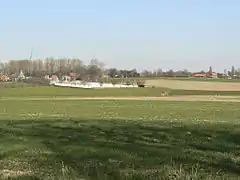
{"x": 13, "y": 75}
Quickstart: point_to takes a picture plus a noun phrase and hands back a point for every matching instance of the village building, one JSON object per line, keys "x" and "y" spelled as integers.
{"x": 198, "y": 75}
{"x": 74, "y": 76}
{"x": 54, "y": 78}
{"x": 206, "y": 75}
{"x": 4, "y": 78}
{"x": 66, "y": 78}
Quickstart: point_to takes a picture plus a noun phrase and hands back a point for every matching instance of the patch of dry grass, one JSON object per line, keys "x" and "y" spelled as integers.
{"x": 194, "y": 85}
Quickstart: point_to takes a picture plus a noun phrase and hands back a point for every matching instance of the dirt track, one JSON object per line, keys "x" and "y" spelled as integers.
{"x": 195, "y": 85}
{"x": 168, "y": 98}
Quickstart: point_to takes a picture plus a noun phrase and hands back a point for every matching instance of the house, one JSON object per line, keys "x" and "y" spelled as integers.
{"x": 54, "y": 78}
{"x": 206, "y": 75}
{"x": 198, "y": 75}
{"x": 4, "y": 78}
{"x": 74, "y": 75}
{"x": 66, "y": 78}
{"x": 212, "y": 75}
{"x": 14, "y": 77}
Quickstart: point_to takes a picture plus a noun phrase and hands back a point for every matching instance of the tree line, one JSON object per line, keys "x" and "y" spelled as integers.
{"x": 52, "y": 66}
{"x": 94, "y": 70}
{"x": 49, "y": 66}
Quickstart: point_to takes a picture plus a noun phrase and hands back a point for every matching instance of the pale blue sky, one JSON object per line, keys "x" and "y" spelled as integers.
{"x": 124, "y": 33}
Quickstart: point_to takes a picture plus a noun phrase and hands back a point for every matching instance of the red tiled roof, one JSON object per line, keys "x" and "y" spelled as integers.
{"x": 73, "y": 74}
{"x": 54, "y": 76}
{"x": 199, "y": 75}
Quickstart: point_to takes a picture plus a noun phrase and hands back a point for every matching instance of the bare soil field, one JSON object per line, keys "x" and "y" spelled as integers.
{"x": 166, "y": 98}
{"x": 194, "y": 85}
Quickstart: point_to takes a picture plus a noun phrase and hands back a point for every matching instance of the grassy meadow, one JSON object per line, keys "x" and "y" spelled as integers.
{"x": 111, "y": 140}
{"x": 26, "y": 90}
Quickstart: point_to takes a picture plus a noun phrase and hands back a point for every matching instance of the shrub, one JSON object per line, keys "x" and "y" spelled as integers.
{"x": 128, "y": 82}
{"x": 79, "y": 79}
{"x": 37, "y": 81}
{"x": 115, "y": 81}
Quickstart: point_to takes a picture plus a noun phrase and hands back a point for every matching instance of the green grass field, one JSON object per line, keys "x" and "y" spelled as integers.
{"x": 47, "y": 91}
{"x": 119, "y": 140}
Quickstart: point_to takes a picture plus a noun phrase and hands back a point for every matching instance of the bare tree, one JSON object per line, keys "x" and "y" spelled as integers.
{"x": 210, "y": 70}
{"x": 233, "y": 71}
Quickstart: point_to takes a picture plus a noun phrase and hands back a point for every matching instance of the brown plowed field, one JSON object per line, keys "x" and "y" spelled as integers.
{"x": 194, "y": 85}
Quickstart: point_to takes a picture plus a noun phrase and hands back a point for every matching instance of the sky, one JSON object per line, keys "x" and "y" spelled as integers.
{"x": 142, "y": 34}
